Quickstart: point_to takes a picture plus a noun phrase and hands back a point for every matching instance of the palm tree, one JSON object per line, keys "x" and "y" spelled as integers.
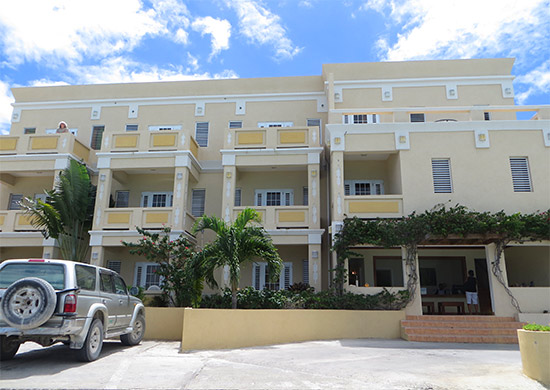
{"x": 68, "y": 211}
{"x": 234, "y": 245}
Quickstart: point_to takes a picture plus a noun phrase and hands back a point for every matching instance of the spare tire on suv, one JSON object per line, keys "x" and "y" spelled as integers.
{"x": 28, "y": 303}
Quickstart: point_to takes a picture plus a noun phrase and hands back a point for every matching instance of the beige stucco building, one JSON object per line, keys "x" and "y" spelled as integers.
{"x": 368, "y": 140}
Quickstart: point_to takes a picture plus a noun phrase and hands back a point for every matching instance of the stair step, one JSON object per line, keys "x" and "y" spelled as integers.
{"x": 459, "y": 324}
{"x": 466, "y": 318}
{"x": 461, "y": 331}
{"x": 450, "y": 338}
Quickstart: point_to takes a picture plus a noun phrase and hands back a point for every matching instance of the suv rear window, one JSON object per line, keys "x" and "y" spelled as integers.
{"x": 52, "y": 273}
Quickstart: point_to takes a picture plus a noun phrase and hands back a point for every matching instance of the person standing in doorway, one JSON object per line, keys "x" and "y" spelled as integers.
{"x": 470, "y": 286}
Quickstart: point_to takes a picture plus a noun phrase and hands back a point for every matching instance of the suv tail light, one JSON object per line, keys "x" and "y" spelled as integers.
{"x": 70, "y": 304}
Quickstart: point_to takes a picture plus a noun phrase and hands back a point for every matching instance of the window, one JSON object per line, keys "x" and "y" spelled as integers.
{"x": 274, "y": 197}
{"x": 275, "y": 124}
{"x": 122, "y": 198}
{"x": 487, "y": 116}
{"x": 29, "y": 130}
{"x": 97, "y": 137}
{"x": 316, "y": 123}
{"x": 165, "y": 128}
{"x": 237, "y": 197}
{"x": 363, "y": 187}
{"x": 357, "y": 119}
{"x": 388, "y": 271}
{"x": 14, "y": 201}
{"x": 201, "y": 133}
{"x": 198, "y": 197}
{"x": 114, "y": 265}
{"x": 441, "y": 171}
{"x": 305, "y": 196}
{"x": 51, "y": 273}
{"x": 305, "y": 271}
{"x": 146, "y": 275}
{"x": 42, "y": 197}
{"x": 418, "y": 117}
{"x": 521, "y": 178}
{"x": 54, "y": 131}
{"x": 235, "y": 124}
{"x": 260, "y": 277}
{"x": 131, "y": 127}
{"x": 85, "y": 277}
{"x": 156, "y": 199}
{"x": 106, "y": 282}
{"x": 120, "y": 286}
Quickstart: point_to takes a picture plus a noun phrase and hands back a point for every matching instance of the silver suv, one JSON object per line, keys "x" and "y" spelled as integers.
{"x": 50, "y": 301}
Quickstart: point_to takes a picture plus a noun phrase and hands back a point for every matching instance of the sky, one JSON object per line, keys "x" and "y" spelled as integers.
{"x": 59, "y": 42}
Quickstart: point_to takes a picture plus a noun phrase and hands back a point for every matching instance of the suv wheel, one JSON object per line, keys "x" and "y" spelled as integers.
{"x": 138, "y": 331}
{"x": 94, "y": 342}
{"x": 28, "y": 303}
{"x": 8, "y": 347}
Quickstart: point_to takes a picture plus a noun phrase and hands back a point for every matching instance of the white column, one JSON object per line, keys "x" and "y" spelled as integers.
{"x": 228, "y": 198}
{"x": 98, "y": 256}
{"x": 181, "y": 182}
{"x": 415, "y": 305}
{"x": 500, "y": 300}
{"x": 314, "y": 266}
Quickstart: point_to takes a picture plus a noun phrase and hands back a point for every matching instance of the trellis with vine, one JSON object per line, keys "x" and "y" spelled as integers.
{"x": 458, "y": 223}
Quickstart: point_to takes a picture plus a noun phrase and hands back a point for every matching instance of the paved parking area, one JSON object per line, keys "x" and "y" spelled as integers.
{"x": 339, "y": 364}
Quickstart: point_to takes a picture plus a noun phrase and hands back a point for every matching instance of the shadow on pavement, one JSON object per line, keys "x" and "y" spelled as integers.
{"x": 404, "y": 344}
{"x": 50, "y": 360}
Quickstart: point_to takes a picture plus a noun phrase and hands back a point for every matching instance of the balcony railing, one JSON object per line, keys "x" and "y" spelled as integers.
{"x": 373, "y": 206}
{"x": 272, "y": 138}
{"x": 281, "y": 217}
{"x": 129, "y": 218}
{"x": 15, "y": 221}
{"x": 44, "y": 144}
{"x": 150, "y": 141}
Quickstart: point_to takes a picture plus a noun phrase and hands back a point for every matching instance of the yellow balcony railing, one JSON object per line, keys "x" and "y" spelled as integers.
{"x": 44, "y": 144}
{"x": 281, "y": 217}
{"x": 15, "y": 221}
{"x": 150, "y": 141}
{"x": 129, "y": 218}
{"x": 372, "y": 206}
{"x": 272, "y": 138}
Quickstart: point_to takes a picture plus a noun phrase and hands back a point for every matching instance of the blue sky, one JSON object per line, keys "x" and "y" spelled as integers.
{"x": 54, "y": 42}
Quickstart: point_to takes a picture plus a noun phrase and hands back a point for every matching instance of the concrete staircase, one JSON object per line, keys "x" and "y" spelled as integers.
{"x": 460, "y": 329}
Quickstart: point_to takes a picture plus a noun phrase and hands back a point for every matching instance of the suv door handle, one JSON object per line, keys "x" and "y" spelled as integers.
{"x": 121, "y": 301}
{"x": 104, "y": 301}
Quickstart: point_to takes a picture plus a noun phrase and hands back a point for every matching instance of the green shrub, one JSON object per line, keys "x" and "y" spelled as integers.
{"x": 249, "y": 298}
{"x": 537, "y": 327}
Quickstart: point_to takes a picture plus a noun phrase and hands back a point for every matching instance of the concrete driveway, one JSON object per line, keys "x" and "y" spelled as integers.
{"x": 339, "y": 364}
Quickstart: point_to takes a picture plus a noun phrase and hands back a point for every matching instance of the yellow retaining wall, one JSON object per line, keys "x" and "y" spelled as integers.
{"x": 163, "y": 323}
{"x": 535, "y": 354}
{"x": 221, "y": 328}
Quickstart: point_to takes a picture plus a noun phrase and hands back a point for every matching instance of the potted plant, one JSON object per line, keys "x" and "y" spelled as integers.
{"x": 534, "y": 346}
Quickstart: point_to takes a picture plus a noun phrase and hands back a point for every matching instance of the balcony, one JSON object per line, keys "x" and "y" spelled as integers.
{"x": 151, "y": 141}
{"x": 147, "y": 218}
{"x": 281, "y": 217}
{"x": 45, "y": 144}
{"x": 272, "y": 138}
{"x": 16, "y": 221}
{"x": 373, "y": 206}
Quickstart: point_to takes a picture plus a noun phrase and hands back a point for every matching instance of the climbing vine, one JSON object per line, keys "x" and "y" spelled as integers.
{"x": 438, "y": 224}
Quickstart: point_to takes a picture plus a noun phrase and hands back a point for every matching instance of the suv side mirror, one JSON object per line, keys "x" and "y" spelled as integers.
{"x": 134, "y": 291}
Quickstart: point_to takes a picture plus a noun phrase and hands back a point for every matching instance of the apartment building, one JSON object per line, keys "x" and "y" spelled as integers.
{"x": 368, "y": 140}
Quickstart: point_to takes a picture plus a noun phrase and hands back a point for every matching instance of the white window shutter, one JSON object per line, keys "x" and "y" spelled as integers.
{"x": 201, "y": 133}
{"x": 198, "y": 198}
{"x": 521, "y": 178}
{"x": 441, "y": 171}
{"x": 305, "y": 271}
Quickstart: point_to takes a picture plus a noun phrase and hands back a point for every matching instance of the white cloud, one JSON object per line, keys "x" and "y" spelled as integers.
{"x": 462, "y": 29}
{"x": 122, "y": 70}
{"x": 6, "y": 99}
{"x": 219, "y": 30}
{"x": 263, "y": 27}
{"x": 536, "y": 81}
{"x": 63, "y": 30}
